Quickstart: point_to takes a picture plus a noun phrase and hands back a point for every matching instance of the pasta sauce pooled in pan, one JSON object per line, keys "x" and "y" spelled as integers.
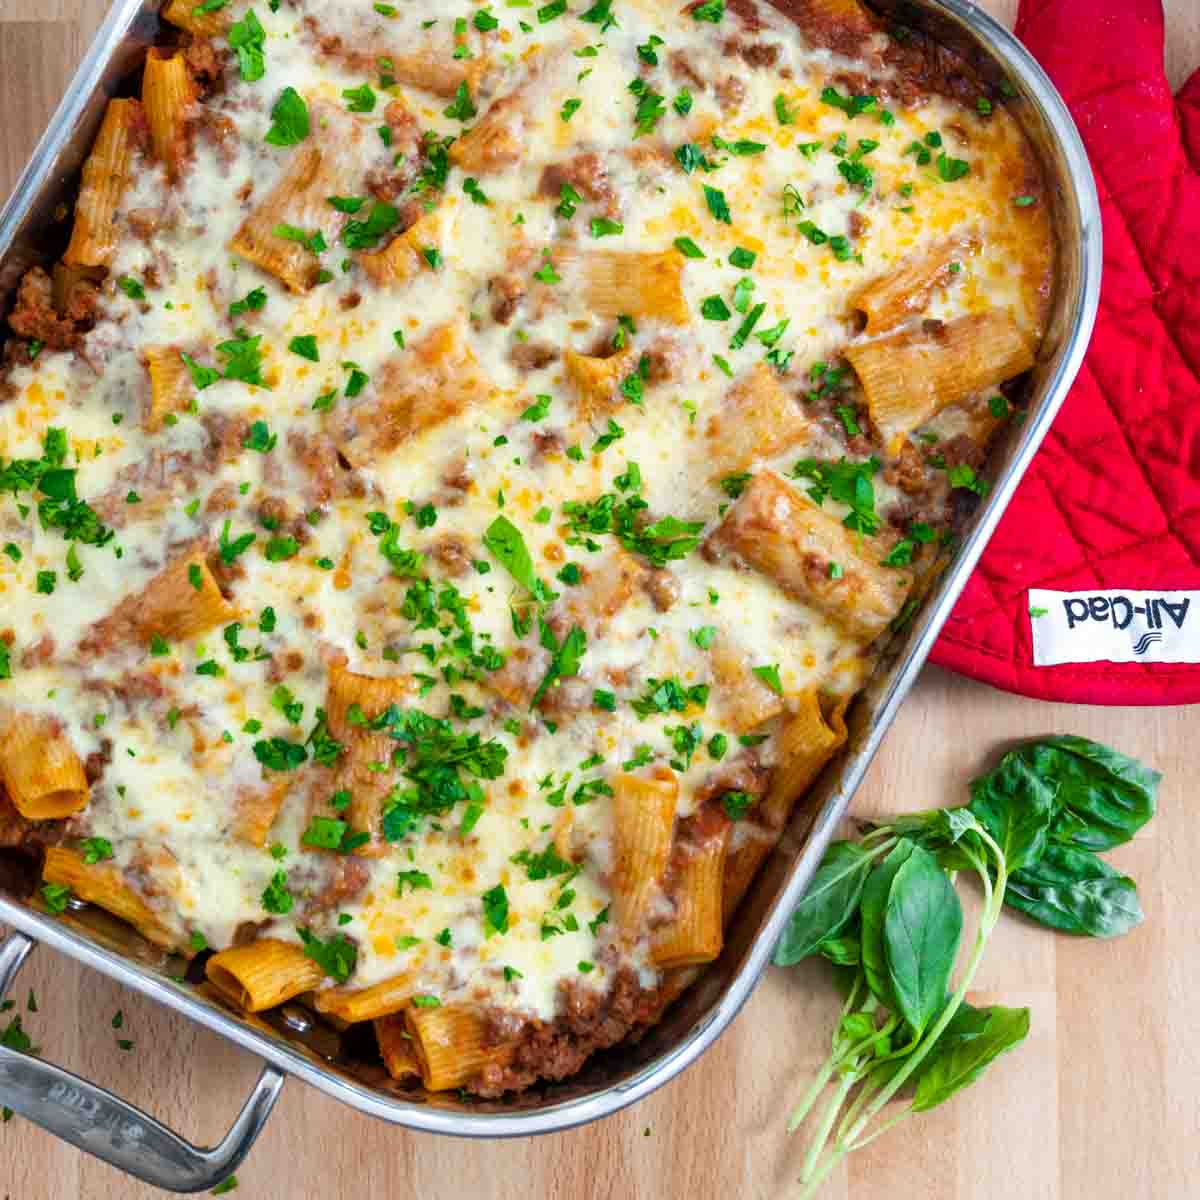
{"x": 459, "y": 472}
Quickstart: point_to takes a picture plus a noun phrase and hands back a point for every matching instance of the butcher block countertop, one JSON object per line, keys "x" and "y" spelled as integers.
{"x": 1102, "y": 1101}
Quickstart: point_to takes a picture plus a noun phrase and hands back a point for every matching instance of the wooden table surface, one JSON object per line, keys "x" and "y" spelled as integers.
{"x": 1100, "y": 1102}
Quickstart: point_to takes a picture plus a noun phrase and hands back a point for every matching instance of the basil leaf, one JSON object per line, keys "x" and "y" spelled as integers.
{"x": 1014, "y": 803}
{"x": 843, "y": 951}
{"x": 965, "y": 1049}
{"x": 1104, "y": 797}
{"x": 1076, "y": 892}
{"x": 874, "y": 910}
{"x": 828, "y": 905}
{"x": 921, "y": 930}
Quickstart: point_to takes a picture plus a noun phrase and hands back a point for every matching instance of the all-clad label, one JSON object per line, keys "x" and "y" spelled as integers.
{"x": 1117, "y": 625}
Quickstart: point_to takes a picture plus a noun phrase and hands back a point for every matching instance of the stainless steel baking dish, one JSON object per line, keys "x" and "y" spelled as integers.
{"x": 100, "y": 1123}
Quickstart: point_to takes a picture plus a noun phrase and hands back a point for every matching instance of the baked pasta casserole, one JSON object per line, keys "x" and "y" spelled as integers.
{"x": 462, "y": 465}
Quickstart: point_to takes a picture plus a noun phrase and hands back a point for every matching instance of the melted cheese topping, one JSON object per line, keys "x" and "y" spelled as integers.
{"x": 810, "y": 200}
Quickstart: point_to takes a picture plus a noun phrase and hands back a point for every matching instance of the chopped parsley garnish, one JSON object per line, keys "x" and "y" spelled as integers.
{"x": 461, "y": 108}
{"x": 96, "y": 849}
{"x": 650, "y": 108}
{"x": 769, "y": 676}
{"x": 546, "y": 864}
{"x": 362, "y": 235}
{"x": 570, "y": 107}
{"x": 132, "y": 288}
{"x": 614, "y": 433}
{"x": 669, "y": 695}
{"x": 565, "y": 657}
{"x": 415, "y": 879}
{"x": 737, "y": 804}
{"x": 278, "y": 754}
{"x": 710, "y": 10}
{"x": 852, "y": 106}
{"x": 600, "y": 14}
{"x": 252, "y": 301}
{"x": 359, "y": 99}
{"x": 280, "y": 549}
{"x": 336, "y": 957}
{"x": 951, "y": 169}
{"x": 260, "y": 438}
{"x": 666, "y": 540}
{"x": 247, "y": 38}
{"x": 276, "y": 898}
{"x": 568, "y": 200}
{"x": 440, "y": 764}
{"x": 604, "y": 227}
{"x": 539, "y": 409}
{"x": 691, "y": 158}
{"x": 495, "y": 910}
{"x": 289, "y": 119}
{"x": 472, "y": 189}
{"x": 715, "y": 199}
{"x": 747, "y": 327}
{"x": 848, "y": 483}
{"x": 963, "y": 477}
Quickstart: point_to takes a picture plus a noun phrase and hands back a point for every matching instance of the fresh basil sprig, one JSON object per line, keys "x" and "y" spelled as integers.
{"x": 885, "y": 912}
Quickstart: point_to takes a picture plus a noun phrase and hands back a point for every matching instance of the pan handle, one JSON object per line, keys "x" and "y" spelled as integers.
{"x": 95, "y": 1120}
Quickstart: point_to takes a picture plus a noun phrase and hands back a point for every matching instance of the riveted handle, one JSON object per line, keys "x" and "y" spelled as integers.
{"x": 94, "y": 1120}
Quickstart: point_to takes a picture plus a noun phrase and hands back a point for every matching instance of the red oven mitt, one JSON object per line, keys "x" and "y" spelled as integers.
{"x": 1090, "y": 589}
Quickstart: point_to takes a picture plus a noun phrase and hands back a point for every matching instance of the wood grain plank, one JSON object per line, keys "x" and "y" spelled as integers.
{"x": 1101, "y": 1102}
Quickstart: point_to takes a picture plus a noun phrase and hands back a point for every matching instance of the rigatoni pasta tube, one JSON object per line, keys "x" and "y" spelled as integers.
{"x": 184, "y": 15}
{"x": 301, "y": 199}
{"x": 807, "y": 741}
{"x": 396, "y": 1048}
{"x": 905, "y": 290}
{"x": 785, "y": 536}
{"x": 744, "y": 701}
{"x": 39, "y": 768}
{"x": 167, "y": 94}
{"x": 757, "y": 419}
{"x": 643, "y": 813}
{"x": 452, "y": 1045}
{"x": 645, "y": 285}
{"x": 441, "y": 75}
{"x": 263, "y": 973}
{"x": 911, "y": 375}
{"x": 496, "y": 139}
{"x": 365, "y": 1004}
{"x": 694, "y": 934}
{"x": 255, "y": 810}
{"x": 104, "y": 885}
{"x": 437, "y": 379}
{"x": 741, "y": 866}
{"x": 105, "y": 176}
{"x": 597, "y": 381}
{"x": 171, "y": 387}
{"x": 367, "y": 695}
{"x": 181, "y": 601}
